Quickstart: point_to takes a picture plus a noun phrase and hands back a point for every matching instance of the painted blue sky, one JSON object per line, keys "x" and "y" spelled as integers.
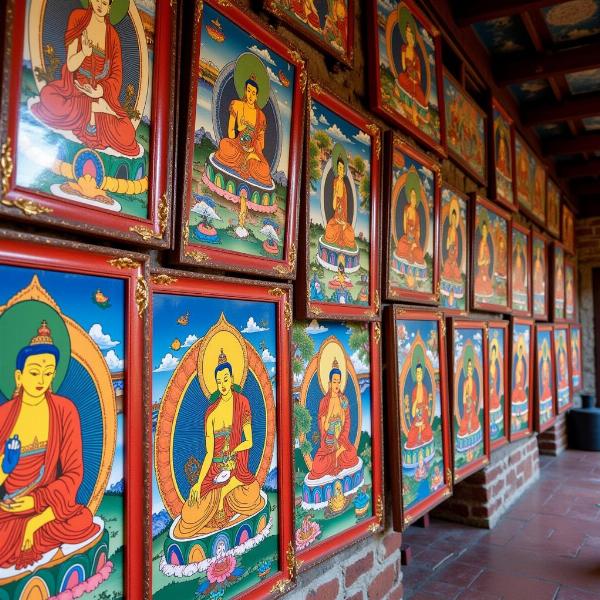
{"x": 238, "y": 41}
{"x": 356, "y": 143}
{"x": 461, "y": 338}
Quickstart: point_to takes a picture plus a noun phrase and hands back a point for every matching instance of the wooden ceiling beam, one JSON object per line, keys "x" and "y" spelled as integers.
{"x": 588, "y": 168}
{"x": 576, "y": 107}
{"x": 524, "y": 67}
{"x": 467, "y": 12}
{"x": 589, "y": 142}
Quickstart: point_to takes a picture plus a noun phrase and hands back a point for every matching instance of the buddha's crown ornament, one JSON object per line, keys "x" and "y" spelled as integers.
{"x": 222, "y": 358}
{"x": 335, "y": 364}
{"x": 43, "y": 335}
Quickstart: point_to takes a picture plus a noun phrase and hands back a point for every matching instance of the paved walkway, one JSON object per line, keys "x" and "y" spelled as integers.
{"x": 546, "y": 547}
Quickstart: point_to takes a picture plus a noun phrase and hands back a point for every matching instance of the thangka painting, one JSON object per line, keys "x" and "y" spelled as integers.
{"x": 521, "y": 370}
{"x": 568, "y": 229}
{"x": 342, "y": 182}
{"x": 406, "y": 58}
{"x": 88, "y": 115}
{"x": 539, "y": 258}
{"x": 498, "y": 382}
{"x": 219, "y": 488}
{"x": 465, "y": 129}
{"x": 418, "y": 415}
{"x": 453, "y": 249}
{"x": 576, "y": 359}
{"x": 544, "y": 381}
{"x": 563, "y": 373}
{"x": 329, "y": 24}
{"x": 538, "y": 189}
{"x": 558, "y": 274}
{"x": 69, "y": 396}
{"x": 490, "y": 257}
{"x": 411, "y": 272}
{"x": 244, "y": 127}
{"x": 570, "y": 289}
{"x": 552, "y": 208}
{"x": 524, "y": 164}
{"x": 469, "y": 401}
{"x": 520, "y": 270}
{"x": 337, "y": 438}
{"x": 503, "y": 156}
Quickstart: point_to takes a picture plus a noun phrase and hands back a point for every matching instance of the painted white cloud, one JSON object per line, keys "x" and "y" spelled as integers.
{"x": 189, "y": 340}
{"x": 167, "y": 363}
{"x": 323, "y": 120}
{"x": 103, "y": 340}
{"x": 363, "y": 138}
{"x": 253, "y": 327}
{"x": 359, "y": 365}
{"x": 272, "y": 75}
{"x": 113, "y": 361}
{"x": 267, "y": 357}
{"x": 336, "y": 133}
{"x": 313, "y": 118}
{"x": 263, "y": 53}
{"x": 315, "y": 329}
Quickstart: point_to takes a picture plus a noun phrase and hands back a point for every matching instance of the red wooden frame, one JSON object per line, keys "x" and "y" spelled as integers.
{"x": 32, "y": 206}
{"x": 539, "y": 427}
{"x": 455, "y": 156}
{"x": 476, "y": 465}
{"x": 552, "y": 228}
{"x": 567, "y": 230}
{"x": 527, "y": 252}
{"x": 523, "y": 208}
{"x": 468, "y": 229}
{"x": 184, "y": 283}
{"x": 346, "y": 58}
{"x": 396, "y": 144}
{"x": 567, "y": 329}
{"x": 375, "y": 98}
{"x": 492, "y": 158}
{"x": 403, "y": 518}
{"x": 306, "y": 307}
{"x": 504, "y": 326}
{"x": 490, "y": 206}
{"x": 36, "y": 252}
{"x": 536, "y": 235}
{"x": 556, "y": 316}
{"x": 571, "y": 262}
{"x": 573, "y": 327}
{"x": 324, "y": 550}
{"x": 207, "y": 255}
{"x": 520, "y": 321}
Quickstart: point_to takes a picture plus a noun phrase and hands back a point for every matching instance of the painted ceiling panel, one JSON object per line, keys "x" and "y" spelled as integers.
{"x": 504, "y": 35}
{"x": 584, "y": 81}
{"x": 574, "y": 20}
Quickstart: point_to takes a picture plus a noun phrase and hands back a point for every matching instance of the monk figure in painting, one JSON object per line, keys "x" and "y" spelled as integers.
{"x": 408, "y": 247}
{"x": 539, "y": 280}
{"x": 562, "y": 366}
{"x": 502, "y": 164}
{"x": 494, "y": 379}
{"x": 336, "y": 23}
{"x": 483, "y": 280}
{"x": 410, "y": 74}
{"x": 451, "y": 270}
{"x": 519, "y": 394}
{"x": 469, "y": 423}
{"x": 336, "y": 452}
{"x": 339, "y": 231}
{"x": 500, "y": 262}
{"x": 518, "y": 276}
{"x": 242, "y": 149}
{"x": 41, "y": 467}
{"x": 306, "y": 11}
{"x": 523, "y": 173}
{"x": 546, "y": 393}
{"x": 420, "y": 431}
{"x": 85, "y": 100}
{"x": 225, "y": 486}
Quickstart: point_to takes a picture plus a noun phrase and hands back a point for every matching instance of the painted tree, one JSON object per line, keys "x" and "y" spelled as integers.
{"x": 324, "y": 144}
{"x": 314, "y": 165}
{"x": 365, "y": 192}
{"x": 359, "y": 340}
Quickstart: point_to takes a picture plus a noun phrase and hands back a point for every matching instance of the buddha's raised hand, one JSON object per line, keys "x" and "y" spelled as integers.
{"x": 12, "y": 454}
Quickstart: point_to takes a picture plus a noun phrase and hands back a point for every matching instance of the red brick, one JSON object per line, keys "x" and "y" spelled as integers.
{"x": 326, "y": 591}
{"x": 358, "y": 596}
{"x": 382, "y": 583}
{"x": 396, "y": 593}
{"x": 392, "y": 542}
{"x": 497, "y": 488}
{"x": 471, "y": 492}
{"x": 492, "y": 473}
{"x": 358, "y": 568}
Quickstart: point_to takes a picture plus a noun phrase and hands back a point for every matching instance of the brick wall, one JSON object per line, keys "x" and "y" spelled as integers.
{"x": 480, "y": 500}
{"x": 554, "y": 440}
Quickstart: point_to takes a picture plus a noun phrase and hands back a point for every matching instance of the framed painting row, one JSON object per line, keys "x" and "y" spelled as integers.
{"x": 88, "y": 137}
{"x": 460, "y": 388}
{"x": 165, "y": 434}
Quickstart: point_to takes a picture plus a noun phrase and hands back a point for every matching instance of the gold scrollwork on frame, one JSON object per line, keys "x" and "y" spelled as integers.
{"x": 374, "y": 131}
{"x": 163, "y": 279}
{"x": 287, "y": 314}
{"x": 376, "y": 526}
{"x": 277, "y": 292}
{"x": 315, "y": 88}
{"x": 124, "y": 262}
{"x": 141, "y": 295}
{"x": 27, "y": 207}
{"x": 377, "y": 333}
{"x": 6, "y": 167}
{"x": 291, "y": 264}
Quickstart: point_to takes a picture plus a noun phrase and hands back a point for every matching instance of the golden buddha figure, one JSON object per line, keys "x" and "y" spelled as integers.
{"x": 338, "y": 231}
{"x": 225, "y": 486}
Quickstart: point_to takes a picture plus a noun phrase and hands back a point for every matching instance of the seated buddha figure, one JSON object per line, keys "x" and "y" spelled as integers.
{"x": 545, "y": 374}
{"x": 410, "y": 76}
{"x": 562, "y": 368}
{"x": 518, "y": 271}
{"x": 420, "y": 431}
{"x": 494, "y": 379}
{"x": 242, "y": 149}
{"x": 408, "y": 247}
{"x": 306, "y": 11}
{"x": 539, "y": 281}
{"x": 336, "y": 452}
{"x": 451, "y": 270}
{"x": 338, "y": 231}
{"x": 86, "y": 98}
{"x": 519, "y": 394}
{"x": 500, "y": 262}
{"x": 225, "y": 486}
{"x": 483, "y": 281}
{"x": 41, "y": 466}
{"x": 469, "y": 423}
